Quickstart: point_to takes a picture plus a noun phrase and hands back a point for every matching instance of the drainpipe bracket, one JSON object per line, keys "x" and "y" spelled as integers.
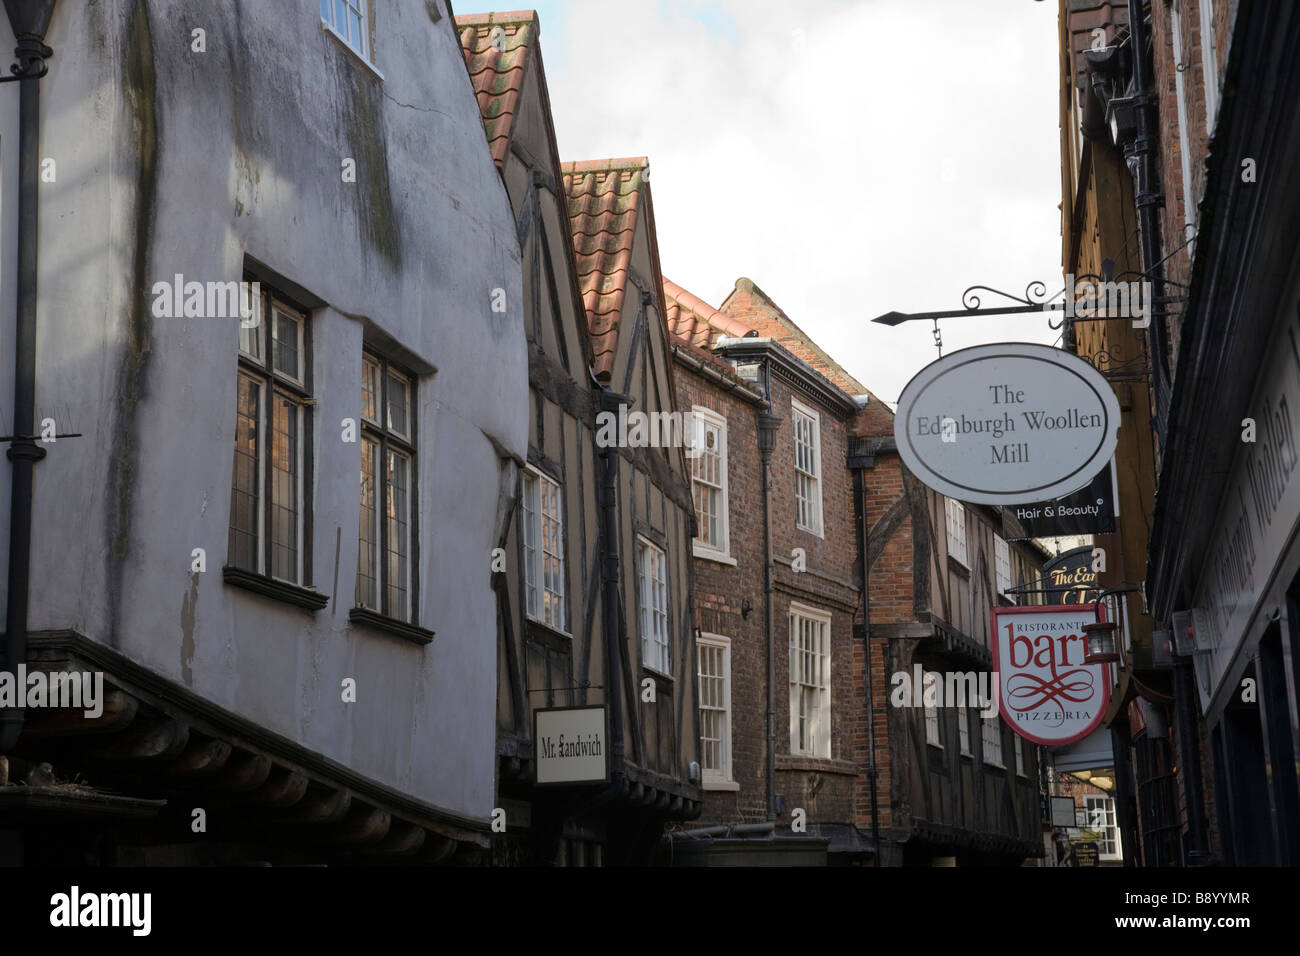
{"x": 25, "y": 449}
{"x": 31, "y": 54}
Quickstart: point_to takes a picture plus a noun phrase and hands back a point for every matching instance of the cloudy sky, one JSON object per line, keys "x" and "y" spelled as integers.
{"x": 851, "y": 157}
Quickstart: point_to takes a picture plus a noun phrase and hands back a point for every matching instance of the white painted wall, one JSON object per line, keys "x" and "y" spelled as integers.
{"x": 250, "y": 140}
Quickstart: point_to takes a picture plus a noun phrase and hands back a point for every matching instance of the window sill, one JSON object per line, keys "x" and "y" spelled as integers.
{"x": 818, "y": 764}
{"x": 956, "y": 564}
{"x": 550, "y": 630}
{"x": 706, "y": 554}
{"x": 816, "y": 532}
{"x": 308, "y": 598}
{"x": 365, "y": 617}
{"x": 729, "y": 786}
{"x": 657, "y": 674}
{"x": 351, "y": 52}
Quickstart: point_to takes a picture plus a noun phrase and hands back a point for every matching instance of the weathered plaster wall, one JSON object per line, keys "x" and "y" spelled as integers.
{"x": 173, "y": 161}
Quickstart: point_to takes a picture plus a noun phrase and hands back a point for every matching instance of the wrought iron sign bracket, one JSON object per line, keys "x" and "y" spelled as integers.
{"x": 1035, "y": 300}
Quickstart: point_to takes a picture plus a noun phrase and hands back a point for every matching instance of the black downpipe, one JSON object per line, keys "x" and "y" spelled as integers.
{"x": 1189, "y": 753}
{"x": 610, "y": 402}
{"x": 767, "y": 426}
{"x": 864, "y": 542}
{"x": 30, "y": 21}
{"x": 1125, "y": 797}
{"x": 1149, "y": 199}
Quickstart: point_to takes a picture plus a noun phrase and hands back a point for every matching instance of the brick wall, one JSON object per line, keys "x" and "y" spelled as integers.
{"x": 720, "y": 592}
{"x": 824, "y": 788}
{"x": 828, "y": 790}
{"x": 1165, "y": 70}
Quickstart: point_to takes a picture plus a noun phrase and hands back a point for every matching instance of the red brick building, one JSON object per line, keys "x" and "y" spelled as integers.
{"x": 835, "y": 766}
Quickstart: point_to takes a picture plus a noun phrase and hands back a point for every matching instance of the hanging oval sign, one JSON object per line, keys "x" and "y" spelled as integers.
{"x": 1007, "y": 424}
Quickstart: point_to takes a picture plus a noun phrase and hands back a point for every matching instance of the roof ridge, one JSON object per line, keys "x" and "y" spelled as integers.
{"x": 491, "y": 19}
{"x": 600, "y": 165}
{"x": 713, "y": 316}
{"x": 746, "y": 284}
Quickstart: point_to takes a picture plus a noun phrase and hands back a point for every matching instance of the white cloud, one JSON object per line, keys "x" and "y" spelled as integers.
{"x": 852, "y": 158}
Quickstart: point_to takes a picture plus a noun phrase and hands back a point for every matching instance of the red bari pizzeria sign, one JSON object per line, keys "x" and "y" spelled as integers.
{"x": 1045, "y": 691}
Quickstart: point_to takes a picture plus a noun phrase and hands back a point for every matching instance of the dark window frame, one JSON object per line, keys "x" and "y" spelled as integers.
{"x": 385, "y": 437}
{"x": 273, "y": 382}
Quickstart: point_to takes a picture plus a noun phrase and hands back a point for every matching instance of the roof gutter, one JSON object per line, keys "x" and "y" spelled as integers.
{"x": 748, "y": 392}
{"x": 29, "y": 20}
{"x": 755, "y": 349}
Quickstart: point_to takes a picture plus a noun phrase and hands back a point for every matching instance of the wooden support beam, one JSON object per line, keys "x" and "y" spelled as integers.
{"x": 322, "y": 805}
{"x": 244, "y": 771}
{"x": 147, "y": 740}
{"x": 200, "y": 757}
{"x": 438, "y": 849}
{"x": 119, "y": 709}
{"x": 364, "y": 825}
{"x": 403, "y": 840}
{"x": 283, "y": 788}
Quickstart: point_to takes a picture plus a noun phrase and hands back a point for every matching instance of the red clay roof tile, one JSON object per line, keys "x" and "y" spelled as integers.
{"x": 604, "y": 197}
{"x": 692, "y": 319}
{"x": 497, "y": 70}
{"x": 695, "y": 325}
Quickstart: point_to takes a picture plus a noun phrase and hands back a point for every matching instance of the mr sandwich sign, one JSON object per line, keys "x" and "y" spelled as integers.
{"x": 1007, "y": 424}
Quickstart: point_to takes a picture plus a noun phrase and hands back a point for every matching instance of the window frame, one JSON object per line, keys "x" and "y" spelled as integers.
{"x": 532, "y": 522}
{"x": 1001, "y": 560}
{"x": 821, "y": 732}
{"x": 365, "y": 13}
{"x": 798, "y": 408}
{"x": 644, "y": 609}
{"x": 930, "y": 712}
{"x": 1111, "y": 827}
{"x": 713, "y": 419}
{"x": 726, "y": 775}
{"x": 952, "y": 523}
{"x": 381, "y": 432}
{"x": 271, "y": 382}
{"x": 991, "y": 741}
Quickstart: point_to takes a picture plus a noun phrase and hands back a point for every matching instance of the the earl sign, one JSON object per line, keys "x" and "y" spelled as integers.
{"x": 1045, "y": 691}
{"x": 1007, "y": 424}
